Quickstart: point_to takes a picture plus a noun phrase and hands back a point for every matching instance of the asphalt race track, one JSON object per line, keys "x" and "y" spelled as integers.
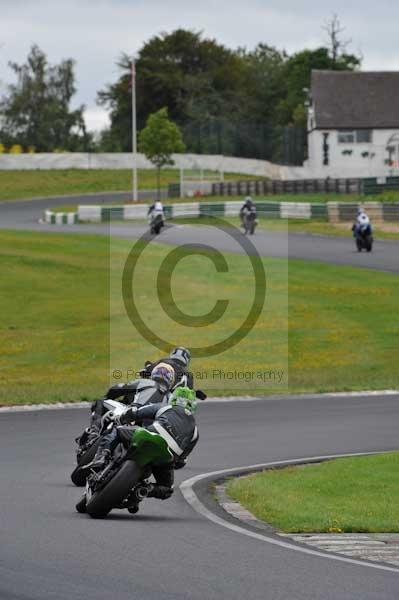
{"x": 168, "y": 551}
{"x": 336, "y": 250}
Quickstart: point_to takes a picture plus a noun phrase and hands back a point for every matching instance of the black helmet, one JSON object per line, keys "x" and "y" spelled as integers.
{"x": 182, "y": 355}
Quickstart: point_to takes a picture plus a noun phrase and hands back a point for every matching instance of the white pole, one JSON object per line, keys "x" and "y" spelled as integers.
{"x": 181, "y": 182}
{"x": 134, "y": 132}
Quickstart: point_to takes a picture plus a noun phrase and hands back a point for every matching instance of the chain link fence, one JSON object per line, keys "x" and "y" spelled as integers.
{"x": 281, "y": 145}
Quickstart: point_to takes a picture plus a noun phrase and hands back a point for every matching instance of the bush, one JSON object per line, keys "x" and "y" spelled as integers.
{"x": 16, "y": 149}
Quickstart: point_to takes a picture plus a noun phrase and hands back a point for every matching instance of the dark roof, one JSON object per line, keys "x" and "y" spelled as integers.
{"x": 355, "y": 100}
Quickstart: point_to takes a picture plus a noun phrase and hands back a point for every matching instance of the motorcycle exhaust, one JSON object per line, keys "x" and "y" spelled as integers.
{"x": 141, "y": 492}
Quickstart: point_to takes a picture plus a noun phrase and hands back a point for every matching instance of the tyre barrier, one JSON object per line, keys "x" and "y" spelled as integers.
{"x": 333, "y": 212}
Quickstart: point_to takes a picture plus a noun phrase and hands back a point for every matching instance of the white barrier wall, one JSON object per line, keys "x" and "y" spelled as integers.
{"x": 89, "y": 213}
{"x": 225, "y": 164}
{"x": 81, "y": 160}
{"x": 295, "y": 210}
{"x": 188, "y": 209}
{"x": 135, "y": 211}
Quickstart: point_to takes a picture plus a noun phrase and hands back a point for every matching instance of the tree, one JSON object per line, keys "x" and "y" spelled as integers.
{"x": 159, "y": 140}
{"x": 196, "y": 79}
{"x": 336, "y": 45}
{"x": 36, "y": 111}
{"x": 233, "y": 102}
{"x": 265, "y": 84}
{"x": 297, "y": 73}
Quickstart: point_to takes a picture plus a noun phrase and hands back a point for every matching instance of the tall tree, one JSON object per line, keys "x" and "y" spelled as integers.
{"x": 195, "y": 78}
{"x": 36, "y": 110}
{"x": 336, "y": 44}
{"x": 159, "y": 139}
{"x": 265, "y": 81}
{"x": 225, "y": 101}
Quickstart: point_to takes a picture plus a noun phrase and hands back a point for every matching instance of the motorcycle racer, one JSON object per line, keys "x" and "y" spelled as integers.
{"x": 174, "y": 422}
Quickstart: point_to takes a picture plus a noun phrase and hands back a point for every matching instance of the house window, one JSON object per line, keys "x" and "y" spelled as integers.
{"x": 363, "y": 136}
{"x": 346, "y": 137}
{"x": 357, "y": 136}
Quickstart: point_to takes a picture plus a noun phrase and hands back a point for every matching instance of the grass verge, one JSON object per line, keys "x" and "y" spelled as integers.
{"x": 24, "y": 184}
{"x": 295, "y": 226}
{"x": 345, "y": 495}
{"x": 57, "y": 342}
{"x": 15, "y": 185}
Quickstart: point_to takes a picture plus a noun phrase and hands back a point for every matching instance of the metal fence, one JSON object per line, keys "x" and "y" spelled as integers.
{"x": 281, "y": 145}
{"x": 299, "y": 186}
{"x": 378, "y": 185}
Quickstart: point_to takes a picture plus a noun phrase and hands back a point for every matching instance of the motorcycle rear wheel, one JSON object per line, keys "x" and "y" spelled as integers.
{"x": 115, "y": 491}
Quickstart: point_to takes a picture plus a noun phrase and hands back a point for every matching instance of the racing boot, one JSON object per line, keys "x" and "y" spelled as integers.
{"x": 162, "y": 492}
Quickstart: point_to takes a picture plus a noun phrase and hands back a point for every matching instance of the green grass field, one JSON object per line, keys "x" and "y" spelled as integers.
{"x": 295, "y": 226}
{"x": 15, "y": 185}
{"x": 63, "y": 334}
{"x": 345, "y": 495}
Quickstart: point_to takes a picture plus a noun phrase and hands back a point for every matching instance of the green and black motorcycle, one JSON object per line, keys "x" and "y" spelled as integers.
{"x": 124, "y": 483}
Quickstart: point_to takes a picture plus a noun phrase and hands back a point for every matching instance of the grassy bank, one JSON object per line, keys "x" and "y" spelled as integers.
{"x": 344, "y": 495}
{"x": 15, "y": 185}
{"x": 296, "y": 226}
{"x": 59, "y": 343}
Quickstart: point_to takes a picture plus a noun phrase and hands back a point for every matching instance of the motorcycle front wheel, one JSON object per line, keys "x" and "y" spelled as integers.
{"x": 79, "y": 475}
{"x": 115, "y": 491}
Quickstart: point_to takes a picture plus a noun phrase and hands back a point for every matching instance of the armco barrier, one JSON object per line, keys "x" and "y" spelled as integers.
{"x": 334, "y": 212}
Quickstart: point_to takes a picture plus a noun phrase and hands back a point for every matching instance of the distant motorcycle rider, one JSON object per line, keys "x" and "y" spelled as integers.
{"x": 362, "y": 223}
{"x": 154, "y": 210}
{"x": 174, "y": 422}
{"x": 247, "y": 207}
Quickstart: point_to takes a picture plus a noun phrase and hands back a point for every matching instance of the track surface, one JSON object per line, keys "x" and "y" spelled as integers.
{"x": 167, "y": 551}
{"x": 341, "y": 251}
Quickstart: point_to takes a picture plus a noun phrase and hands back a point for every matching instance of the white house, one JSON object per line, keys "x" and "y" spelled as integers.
{"x": 353, "y": 124}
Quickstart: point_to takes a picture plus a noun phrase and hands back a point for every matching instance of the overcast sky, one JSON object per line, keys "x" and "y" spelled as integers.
{"x": 95, "y": 32}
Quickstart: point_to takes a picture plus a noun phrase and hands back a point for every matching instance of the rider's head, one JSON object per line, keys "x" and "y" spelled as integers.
{"x": 248, "y": 200}
{"x": 360, "y": 211}
{"x": 182, "y": 355}
{"x": 184, "y": 397}
{"x": 164, "y": 375}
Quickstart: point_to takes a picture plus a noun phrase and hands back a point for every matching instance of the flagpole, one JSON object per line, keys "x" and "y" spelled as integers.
{"x": 134, "y": 133}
